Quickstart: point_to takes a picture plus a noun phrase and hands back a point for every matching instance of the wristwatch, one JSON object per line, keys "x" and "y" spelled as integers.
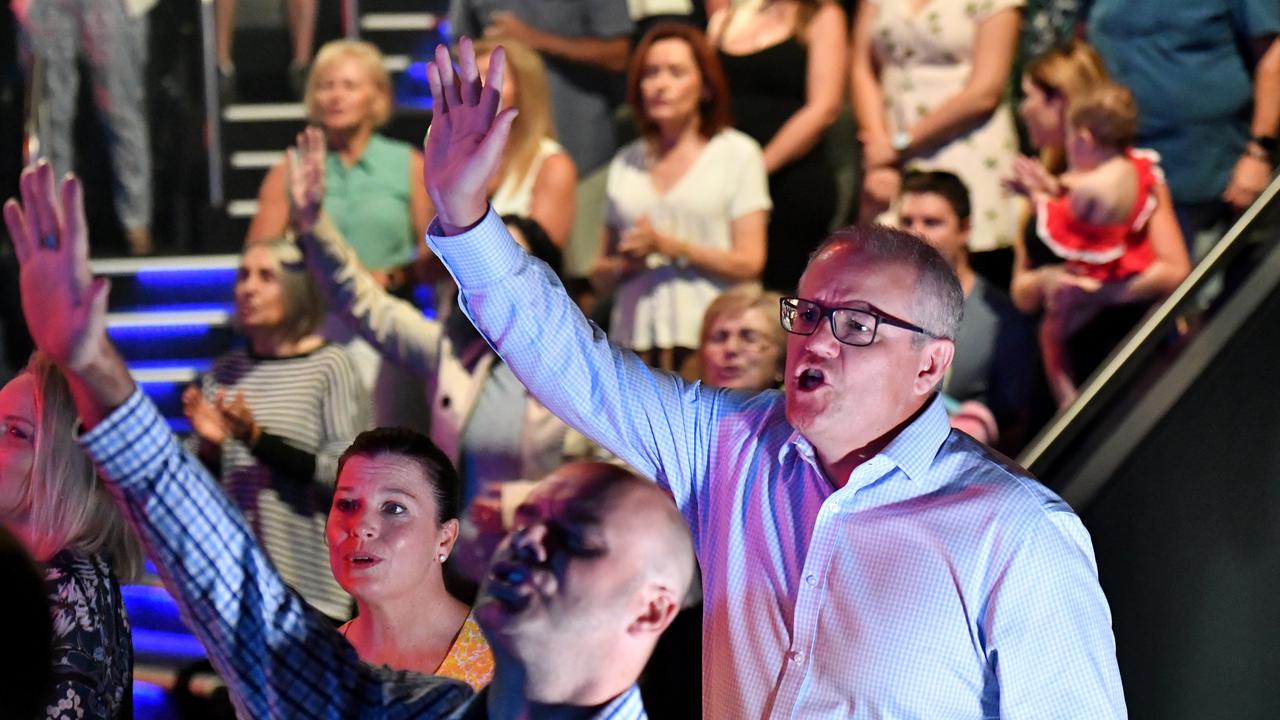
{"x": 1263, "y": 147}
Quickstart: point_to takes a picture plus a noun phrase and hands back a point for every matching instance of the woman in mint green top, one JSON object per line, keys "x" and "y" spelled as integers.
{"x": 373, "y": 184}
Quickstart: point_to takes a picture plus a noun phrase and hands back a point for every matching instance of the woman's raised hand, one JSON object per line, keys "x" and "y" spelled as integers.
{"x": 463, "y": 149}
{"x": 65, "y": 306}
{"x": 306, "y": 179}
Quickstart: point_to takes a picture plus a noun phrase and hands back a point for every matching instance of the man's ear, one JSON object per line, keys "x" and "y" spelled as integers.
{"x": 658, "y": 611}
{"x": 935, "y": 359}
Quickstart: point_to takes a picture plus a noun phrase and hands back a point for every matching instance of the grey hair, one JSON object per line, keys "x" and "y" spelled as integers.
{"x": 304, "y": 306}
{"x": 938, "y": 300}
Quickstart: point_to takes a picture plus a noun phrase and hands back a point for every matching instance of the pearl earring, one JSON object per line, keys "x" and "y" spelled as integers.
{"x": 441, "y": 557}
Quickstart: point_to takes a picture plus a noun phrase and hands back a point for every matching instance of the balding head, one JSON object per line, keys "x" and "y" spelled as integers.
{"x": 597, "y": 566}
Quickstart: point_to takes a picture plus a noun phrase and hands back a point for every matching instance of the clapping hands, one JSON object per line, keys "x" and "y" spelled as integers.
{"x": 216, "y": 421}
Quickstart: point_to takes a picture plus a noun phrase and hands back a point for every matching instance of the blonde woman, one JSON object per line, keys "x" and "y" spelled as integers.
{"x": 537, "y": 179}
{"x": 743, "y": 344}
{"x": 1101, "y": 314}
{"x": 51, "y": 499}
{"x": 373, "y": 184}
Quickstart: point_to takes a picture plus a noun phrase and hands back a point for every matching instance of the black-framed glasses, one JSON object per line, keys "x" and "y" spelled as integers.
{"x": 851, "y": 326}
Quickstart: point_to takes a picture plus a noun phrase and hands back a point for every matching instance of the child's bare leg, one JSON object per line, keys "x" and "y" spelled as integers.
{"x": 1056, "y": 370}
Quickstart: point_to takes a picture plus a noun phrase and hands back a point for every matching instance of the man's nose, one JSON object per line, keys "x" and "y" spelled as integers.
{"x": 529, "y": 543}
{"x": 822, "y": 342}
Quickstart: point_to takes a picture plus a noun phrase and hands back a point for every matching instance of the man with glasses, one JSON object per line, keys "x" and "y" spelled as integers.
{"x": 859, "y": 559}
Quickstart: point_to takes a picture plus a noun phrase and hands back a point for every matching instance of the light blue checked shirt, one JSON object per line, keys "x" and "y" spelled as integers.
{"x": 279, "y": 657}
{"x": 940, "y": 581}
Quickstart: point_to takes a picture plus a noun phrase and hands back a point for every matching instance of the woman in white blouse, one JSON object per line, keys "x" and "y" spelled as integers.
{"x": 687, "y": 204}
{"x": 537, "y": 179}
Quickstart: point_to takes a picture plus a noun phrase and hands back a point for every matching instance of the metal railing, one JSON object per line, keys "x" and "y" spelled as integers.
{"x": 1137, "y": 351}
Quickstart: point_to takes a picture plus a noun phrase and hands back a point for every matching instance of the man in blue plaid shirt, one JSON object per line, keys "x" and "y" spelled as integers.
{"x": 596, "y": 568}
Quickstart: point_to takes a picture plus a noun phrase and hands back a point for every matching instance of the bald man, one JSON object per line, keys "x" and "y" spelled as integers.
{"x": 596, "y": 568}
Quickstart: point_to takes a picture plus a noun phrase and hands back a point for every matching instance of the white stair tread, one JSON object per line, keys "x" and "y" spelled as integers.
{"x": 255, "y": 159}
{"x": 259, "y": 112}
{"x": 242, "y": 208}
{"x": 173, "y": 374}
{"x": 177, "y": 263}
{"x": 378, "y": 21}
{"x": 168, "y": 318}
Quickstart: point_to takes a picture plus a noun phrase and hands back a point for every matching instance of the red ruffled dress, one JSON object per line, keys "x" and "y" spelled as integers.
{"x": 1106, "y": 252}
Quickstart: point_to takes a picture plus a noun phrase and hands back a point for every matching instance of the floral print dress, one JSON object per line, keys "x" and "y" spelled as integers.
{"x": 92, "y": 645}
{"x": 925, "y": 56}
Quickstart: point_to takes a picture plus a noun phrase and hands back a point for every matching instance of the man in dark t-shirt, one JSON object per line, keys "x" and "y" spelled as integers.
{"x": 996, "y": 380}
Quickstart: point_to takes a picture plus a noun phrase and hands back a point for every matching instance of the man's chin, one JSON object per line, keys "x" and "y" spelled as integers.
{"x": 803, "y": 413}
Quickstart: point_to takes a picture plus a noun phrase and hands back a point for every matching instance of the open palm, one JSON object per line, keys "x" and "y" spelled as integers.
{"x": 65, "y": 307}
{"x": 306, "y": 179}
{"x": 463, "y": 149}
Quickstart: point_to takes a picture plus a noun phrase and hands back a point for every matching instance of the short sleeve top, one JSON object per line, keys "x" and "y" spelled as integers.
{"x": 662, "y": 307}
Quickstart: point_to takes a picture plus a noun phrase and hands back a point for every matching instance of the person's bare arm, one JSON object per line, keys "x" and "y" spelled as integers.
{"x": 272, "y": 218}
{"x": 1171, "y": 264}
{"x": 824, "y": 89}
{"x": 610, "y": 268}
{"x": 1252, "y": 172}
{"x": 420, "y": 209}
{"x": 994, "y": 45}
{"x": 867, "y": 95}
{"x": 742, "y": 261}
{"x": 605, "y": 53}
{"x": 1025, "y": 285}
{"x": 554, "y": 194}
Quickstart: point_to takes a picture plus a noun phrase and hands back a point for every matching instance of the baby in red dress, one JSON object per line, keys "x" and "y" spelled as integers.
{"x": 1095, "y": 216}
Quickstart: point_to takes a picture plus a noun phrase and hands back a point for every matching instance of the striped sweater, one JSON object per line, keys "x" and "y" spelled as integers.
{"x": 310, "y": 407}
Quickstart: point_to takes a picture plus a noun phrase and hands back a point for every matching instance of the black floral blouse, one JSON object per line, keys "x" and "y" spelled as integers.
{"x": 92, "y": 646}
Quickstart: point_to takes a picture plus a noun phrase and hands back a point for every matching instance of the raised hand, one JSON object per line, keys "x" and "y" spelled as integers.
{"x": 65, "y": 306}
{"x": 306, "y": 179}
{"x": 463, "y": 149}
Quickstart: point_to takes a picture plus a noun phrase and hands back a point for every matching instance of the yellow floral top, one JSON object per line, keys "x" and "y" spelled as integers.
{"x": 469, "y": 660}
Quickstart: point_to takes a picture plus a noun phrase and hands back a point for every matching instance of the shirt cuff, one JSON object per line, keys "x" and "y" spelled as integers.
{"x": 484, "y": 254}
{"x": 128, "y": 443}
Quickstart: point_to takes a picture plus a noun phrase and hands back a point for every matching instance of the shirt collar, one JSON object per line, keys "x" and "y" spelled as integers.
{"x": 912, "y": 451}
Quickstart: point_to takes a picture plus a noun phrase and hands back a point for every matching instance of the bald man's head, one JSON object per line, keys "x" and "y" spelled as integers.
{"x": 597, "y": 565}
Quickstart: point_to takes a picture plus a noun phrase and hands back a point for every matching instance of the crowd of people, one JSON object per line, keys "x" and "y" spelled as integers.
{"x": 740, "y": 413}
